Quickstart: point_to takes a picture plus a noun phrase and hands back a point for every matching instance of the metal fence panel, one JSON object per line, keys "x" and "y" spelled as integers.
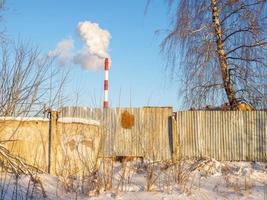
{"x": 223, "y": 135}
{"x": 149, "y": 137}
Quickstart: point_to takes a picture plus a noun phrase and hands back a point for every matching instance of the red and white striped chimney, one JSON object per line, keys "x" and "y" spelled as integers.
{"x": 106, "y": 68}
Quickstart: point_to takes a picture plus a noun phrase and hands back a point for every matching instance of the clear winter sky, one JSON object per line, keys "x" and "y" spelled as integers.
{"x": 137, "y": 77}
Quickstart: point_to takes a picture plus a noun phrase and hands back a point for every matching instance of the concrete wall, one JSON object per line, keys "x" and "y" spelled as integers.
{"x": 73, "y": 145}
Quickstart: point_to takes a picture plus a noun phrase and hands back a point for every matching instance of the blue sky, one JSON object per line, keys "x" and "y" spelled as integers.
{"x": 137, "y": 77}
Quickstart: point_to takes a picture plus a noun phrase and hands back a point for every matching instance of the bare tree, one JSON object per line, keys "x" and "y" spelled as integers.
{"x": 217, "y": 48}
{"x": 28, "y": 80}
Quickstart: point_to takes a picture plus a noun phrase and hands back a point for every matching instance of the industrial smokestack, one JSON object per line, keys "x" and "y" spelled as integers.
{"x": 106, "y": 68}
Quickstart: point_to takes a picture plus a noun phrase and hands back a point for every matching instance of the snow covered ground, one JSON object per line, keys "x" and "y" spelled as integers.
{"x": 203, "y": 179}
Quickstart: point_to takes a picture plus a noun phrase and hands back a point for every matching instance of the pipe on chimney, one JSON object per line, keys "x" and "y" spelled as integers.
{"x": 106, "y": 68}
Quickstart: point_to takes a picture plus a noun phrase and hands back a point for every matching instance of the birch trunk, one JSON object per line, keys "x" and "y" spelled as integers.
{"x": 228, "y": 86}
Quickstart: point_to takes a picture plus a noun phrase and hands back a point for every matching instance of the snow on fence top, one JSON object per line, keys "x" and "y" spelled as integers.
{"x": 61, "y": 119}
{"x": 24, "y": 119}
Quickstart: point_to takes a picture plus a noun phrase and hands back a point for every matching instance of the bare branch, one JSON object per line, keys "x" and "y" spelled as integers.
{"x": 246, "y": 46}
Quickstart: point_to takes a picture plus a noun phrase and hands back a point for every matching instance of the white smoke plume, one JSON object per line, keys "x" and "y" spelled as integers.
{"x": 95, "y": 38}
{"x": 95, "y": 48}
{"x": 63, "y": 51}
{"x": 96, "y": 42}
{"x": 87, "y": 60}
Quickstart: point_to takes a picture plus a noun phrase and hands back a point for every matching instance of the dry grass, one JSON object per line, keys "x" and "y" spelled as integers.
{"x": 12, "y": 165}
{"x": 12, "y": 187}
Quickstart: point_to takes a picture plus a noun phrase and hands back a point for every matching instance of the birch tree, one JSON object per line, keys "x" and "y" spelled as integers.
{"x": 217, "y": 49}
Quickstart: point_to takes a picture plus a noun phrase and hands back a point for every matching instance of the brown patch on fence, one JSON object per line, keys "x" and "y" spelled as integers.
{"x": 127, "y": 120}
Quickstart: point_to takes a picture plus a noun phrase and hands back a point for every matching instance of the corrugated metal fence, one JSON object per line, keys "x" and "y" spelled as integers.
{"x": 81, "y": 112}
{"x": 231, "y": 135}
{"x": 159, "y": 134}
{"x": 149, "y": 135}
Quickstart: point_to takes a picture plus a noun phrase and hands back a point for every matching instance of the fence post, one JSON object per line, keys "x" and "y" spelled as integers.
{"x": 174, "y": 136}
{"x": 52, "y": 142}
